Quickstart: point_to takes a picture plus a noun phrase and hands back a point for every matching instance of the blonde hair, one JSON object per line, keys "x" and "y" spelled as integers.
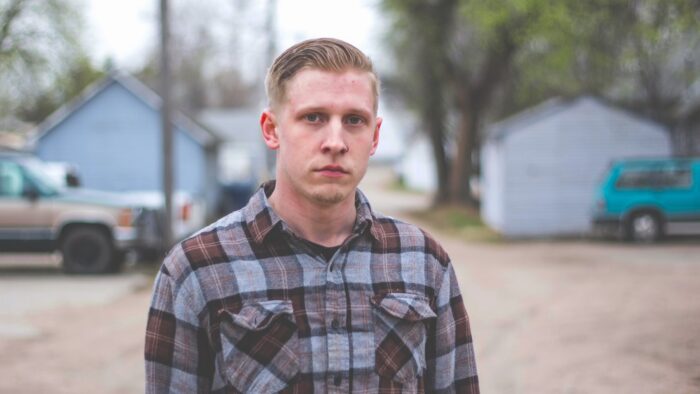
{"x": 328, "y": 54}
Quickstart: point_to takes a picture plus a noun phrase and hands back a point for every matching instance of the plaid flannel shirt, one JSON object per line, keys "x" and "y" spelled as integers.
{"x": 246, "y": 306}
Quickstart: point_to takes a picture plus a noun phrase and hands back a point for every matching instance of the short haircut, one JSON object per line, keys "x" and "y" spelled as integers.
{"x": 328, "y": 54}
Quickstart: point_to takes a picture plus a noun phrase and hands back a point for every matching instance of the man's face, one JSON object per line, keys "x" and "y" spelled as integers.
{"x": 325, "y": 130}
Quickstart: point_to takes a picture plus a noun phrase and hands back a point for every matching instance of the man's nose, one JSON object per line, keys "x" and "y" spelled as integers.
{"x": 334, "y": 141}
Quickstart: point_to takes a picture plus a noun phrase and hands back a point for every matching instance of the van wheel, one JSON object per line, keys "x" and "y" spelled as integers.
{"x": 644, "y": 227}
{"x": 87, "y": 250}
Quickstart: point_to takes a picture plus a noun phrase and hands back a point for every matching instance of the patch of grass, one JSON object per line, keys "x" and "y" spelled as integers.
{"x": 459, "y": 221}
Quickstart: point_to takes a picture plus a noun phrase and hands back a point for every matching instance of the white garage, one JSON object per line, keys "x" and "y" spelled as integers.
{"x": 540, "y": 168}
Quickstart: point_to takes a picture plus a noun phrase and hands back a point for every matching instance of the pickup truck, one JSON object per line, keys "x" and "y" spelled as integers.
{"x": 93, "y": 230}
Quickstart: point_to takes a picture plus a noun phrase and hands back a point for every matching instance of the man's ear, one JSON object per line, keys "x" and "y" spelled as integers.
{"x": 375, "y": 137}
{"x": 268, "y": 124}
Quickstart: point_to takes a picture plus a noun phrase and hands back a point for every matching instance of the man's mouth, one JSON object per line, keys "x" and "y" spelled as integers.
{"x": 332, "y": 171}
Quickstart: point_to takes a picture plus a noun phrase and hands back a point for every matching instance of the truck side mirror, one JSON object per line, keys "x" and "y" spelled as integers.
{"x": 72, "y": 180}
{"x": 30, "y": 193}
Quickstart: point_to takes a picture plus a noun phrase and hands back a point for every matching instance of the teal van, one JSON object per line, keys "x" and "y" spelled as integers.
{"x": 645, "y": 199}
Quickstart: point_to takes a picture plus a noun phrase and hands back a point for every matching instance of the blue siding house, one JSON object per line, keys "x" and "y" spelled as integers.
{"x": 112, "y": 135}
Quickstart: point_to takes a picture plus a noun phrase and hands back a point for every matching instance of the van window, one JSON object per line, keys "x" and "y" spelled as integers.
{"x": 655, "y": 178}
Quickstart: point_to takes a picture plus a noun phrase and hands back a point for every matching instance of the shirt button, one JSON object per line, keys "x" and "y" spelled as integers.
{"x": 337, "y": 380}
{"x": 335, "y": 324}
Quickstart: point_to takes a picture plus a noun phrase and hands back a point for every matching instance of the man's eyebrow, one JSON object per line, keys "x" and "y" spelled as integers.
{"x": 320, "y": 108}
{"x": 311, "y": 109}
{"x": 360, "y": 111}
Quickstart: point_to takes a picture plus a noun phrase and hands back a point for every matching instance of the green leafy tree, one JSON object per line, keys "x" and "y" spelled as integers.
{"x": 456, "y": 55}
{"x": 39, "y": 40}
{"x": 491, "y": 58}
{"x": 66, "y": 86}
{"x": 420, "y": 76}
{"x": 660, "y": 57}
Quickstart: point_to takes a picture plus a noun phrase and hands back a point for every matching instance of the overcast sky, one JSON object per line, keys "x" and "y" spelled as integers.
{"x": 125, "y": 29}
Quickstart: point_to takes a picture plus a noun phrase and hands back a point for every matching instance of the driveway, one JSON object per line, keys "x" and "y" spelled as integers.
{"x": 580, "y": 317}
{"x": 70, "y": 334}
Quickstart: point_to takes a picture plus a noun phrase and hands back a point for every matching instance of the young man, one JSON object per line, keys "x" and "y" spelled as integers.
{"x": 306, "y": 289}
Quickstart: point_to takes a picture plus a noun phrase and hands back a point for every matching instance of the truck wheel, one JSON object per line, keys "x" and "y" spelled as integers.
{"x": 644, "y": 227}
{"x": 87, "y": 250}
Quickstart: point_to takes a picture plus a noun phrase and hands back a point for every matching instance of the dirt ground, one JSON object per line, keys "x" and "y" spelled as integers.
{"x": 547, "y": 317}
{"x": 578, "y": 317}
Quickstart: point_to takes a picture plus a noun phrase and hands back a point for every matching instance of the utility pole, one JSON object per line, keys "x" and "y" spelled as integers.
{"x": 166, "y": 124}
{"x": 271, "y": 33}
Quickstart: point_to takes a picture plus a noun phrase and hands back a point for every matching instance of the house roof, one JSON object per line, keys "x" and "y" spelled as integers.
{"x": 200, "y": 134}
{"x": 525, "y": 118}
{"x": 532, "y": 115}
{"x": 233, "y": 124}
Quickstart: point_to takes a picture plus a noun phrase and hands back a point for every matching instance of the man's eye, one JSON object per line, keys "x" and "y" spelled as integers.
{"x": 312, "y": 117}
{"x": 355, "y": 120}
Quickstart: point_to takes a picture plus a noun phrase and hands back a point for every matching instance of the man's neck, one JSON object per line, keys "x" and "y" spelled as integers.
{"x": 327, "y": 225}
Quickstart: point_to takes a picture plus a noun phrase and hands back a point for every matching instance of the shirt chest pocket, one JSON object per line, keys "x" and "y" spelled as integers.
{"x": 259, "y": 346}
{"x": 400, "y": 321}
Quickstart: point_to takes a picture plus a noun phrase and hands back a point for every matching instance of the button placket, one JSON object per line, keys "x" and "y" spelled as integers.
{"x": 337, "y": 339}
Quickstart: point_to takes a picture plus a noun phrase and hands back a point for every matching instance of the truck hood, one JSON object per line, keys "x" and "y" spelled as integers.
{"x": 104, "y": 198}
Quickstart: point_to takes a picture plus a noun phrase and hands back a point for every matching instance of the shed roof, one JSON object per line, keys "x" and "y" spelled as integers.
{"x": 548, "y": 108}
{"x": 142, "y": 92}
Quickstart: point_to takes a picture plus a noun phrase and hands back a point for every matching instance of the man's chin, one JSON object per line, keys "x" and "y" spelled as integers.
{"x": 330, "y": 195}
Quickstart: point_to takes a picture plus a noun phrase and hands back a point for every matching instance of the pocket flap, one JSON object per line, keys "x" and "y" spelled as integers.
{"x": 405, "y": 306}
{"x": 257, "y": 316}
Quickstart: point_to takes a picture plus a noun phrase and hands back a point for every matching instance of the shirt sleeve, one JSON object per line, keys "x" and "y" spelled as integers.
{"x": 177, "y": 351}
{"x": 451, "y": 365}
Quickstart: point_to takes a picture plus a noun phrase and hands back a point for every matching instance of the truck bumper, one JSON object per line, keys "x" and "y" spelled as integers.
{"x": 125, "y": 238}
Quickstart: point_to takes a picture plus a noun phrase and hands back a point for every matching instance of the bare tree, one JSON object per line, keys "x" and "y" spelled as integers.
{"x": 206, "y": 59}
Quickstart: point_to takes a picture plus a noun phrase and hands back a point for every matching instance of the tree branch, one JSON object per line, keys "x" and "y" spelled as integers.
{"x": 10, "y": 15}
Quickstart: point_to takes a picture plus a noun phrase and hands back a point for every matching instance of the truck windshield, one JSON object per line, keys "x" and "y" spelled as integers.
{"x": 35, "y": 171}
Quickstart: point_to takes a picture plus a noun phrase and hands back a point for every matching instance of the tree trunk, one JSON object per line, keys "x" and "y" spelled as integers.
{"x": 434, "y": 115}
{"x": 434, "y": 62}
{"x": 436, "y": 140}
{"x": 471, "y": 99}
{"x": 460, "y": 190}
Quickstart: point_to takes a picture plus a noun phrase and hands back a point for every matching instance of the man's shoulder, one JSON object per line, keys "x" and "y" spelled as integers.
{"x": 397, "y": 236}
{"x": 206, "y": 246}
{"x": 230, "y": 222}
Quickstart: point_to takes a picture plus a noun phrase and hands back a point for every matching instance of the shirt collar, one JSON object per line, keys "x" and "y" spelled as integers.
{"x": 261, "y": 219}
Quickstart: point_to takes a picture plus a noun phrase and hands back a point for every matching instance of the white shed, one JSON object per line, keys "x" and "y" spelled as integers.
{"x": 417, "y": 165}
{"x": 541, "y": 167}
{"x": 398, "y": 123}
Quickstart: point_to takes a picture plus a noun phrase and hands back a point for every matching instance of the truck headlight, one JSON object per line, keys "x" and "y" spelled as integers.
{"x": 125, "y": 217}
